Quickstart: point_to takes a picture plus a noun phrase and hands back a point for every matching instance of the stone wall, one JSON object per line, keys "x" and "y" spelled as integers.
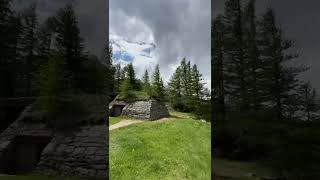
{"x": 148, "y": 110}
{"x": 158, "y": 110}
{"x": 83, "y": 152}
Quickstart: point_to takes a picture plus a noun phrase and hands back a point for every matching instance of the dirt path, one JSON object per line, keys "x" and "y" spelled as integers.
{"x": 123, "y": 123}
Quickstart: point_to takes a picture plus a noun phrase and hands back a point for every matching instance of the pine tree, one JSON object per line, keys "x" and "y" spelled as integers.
{"x": 157, "y": 84}
{"x": 279, "y": 80}
{"x": 146, "y": 82}
{"x": 175, "y": 90}
{"x": 218, "y": 64}
{"x": 110, "y": 70}
{"x": 9, "y": 33}
{"x": 69, "y": 42}
{"x": 131, "y": 75}
{"x": 307, "y": 100}
{"x": 28, "y": 44}
{"x": 234, "y": 48}
{"x": 117, "y": 77}
{"x": 197, "y": 86}
{"x": 252, "y": 57}
{"x": 44, "y": 40}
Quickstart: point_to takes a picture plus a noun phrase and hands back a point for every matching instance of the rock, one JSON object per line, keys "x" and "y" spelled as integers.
{"x": 148, "y": 110}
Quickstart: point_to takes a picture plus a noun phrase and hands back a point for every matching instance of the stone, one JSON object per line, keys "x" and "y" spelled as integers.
{"x": 146, "y": 110}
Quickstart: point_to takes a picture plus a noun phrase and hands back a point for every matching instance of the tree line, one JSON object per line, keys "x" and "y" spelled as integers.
{"x": 251, "y": 64}
{"x": 256, "y": 87}
{"x": 48, "y": 59}
{"x": 185, "y": 91}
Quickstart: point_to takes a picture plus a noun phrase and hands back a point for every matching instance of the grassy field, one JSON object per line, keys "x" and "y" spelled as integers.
{"x": 114, "y": 120}
{"x": 175, "y": 149}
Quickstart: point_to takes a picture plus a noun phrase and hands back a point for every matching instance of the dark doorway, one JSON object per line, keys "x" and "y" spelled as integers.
{"x": 117, "y": 110}
{"x": 8, "y": 115}
{"x": 23, "y": 154}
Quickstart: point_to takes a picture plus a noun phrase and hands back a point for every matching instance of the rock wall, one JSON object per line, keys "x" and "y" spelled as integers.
{"x": 83, "y": 153}
{"x": 148, "y": 110}
{"x": 158, "y": 110}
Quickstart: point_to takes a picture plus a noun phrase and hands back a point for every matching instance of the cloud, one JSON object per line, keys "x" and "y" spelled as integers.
{"x": 179, "y": 28}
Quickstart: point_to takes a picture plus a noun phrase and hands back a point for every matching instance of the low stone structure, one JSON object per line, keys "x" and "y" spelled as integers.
{"x": 116, "y": 107}
{"x": 148, "y": 110}
{"x": 81, "y": 152}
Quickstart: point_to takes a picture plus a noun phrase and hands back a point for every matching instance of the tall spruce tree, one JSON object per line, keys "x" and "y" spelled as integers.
{"x": 117, "y": 77}
{"x": 28, "y": 45}
{"x": 146, "y": 81}
{"x": 252, "y": 57}
{"x": 308, "y": 102}
{"x": 157, "y": 84}
{"x": 197, "y": 86}
{"x": 280, "y": 78}
{"x": 234, "y": 48}
{"x": 69, "y": 42}
{"x": 218, "y": 64}
{"x": 175, "y": 90}
{"x": 9, "y": 33}
{"x": 131, "y": 75}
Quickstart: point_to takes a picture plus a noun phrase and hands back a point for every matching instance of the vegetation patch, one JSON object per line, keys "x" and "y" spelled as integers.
{"x": 165, "y": 150}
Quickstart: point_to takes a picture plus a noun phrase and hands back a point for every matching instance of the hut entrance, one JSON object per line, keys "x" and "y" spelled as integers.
{"x": 117, "y": 110}
{"x": 23, "y": 154}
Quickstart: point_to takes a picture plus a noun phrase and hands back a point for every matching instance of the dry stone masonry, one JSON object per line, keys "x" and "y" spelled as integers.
{"x": 147, "y": 110}
{"x": 82, "y": 152}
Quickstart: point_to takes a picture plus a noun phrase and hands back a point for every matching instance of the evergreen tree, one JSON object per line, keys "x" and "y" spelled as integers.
{"x": 146, "y": 82}
{"x": 117, "y": 77}
{"x": 131, "y": 75}
{"x": 280, "y": 79}
{"x": 110, "y": 70}
{"x": 157, "y": 84}
{"x": 307, "y": 101}
{"x": 9, "y": 33}
{"x": 235, "y": 59}
{"x": 28, "y": 44}
{"x": 69, "y": 42}
{"x": 218, "y": 64}
{"x": 175, "y": 90}
{"x": 126, "y": 90}
{"x": 44, "y": 40}
{"x": 197, "y": 86}
{"x": 252, "y": 57}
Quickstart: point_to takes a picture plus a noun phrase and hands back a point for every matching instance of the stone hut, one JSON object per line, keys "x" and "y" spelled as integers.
{"x": 147, "y": 110}
{"x": 25, "y": 147}
{"x": 116, "y": 107}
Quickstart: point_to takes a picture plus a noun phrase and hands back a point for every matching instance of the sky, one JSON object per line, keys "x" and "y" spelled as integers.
{"x": 300, "y": 22}
{"x": 178, "y": 28}
{"x": 92, "y": 18}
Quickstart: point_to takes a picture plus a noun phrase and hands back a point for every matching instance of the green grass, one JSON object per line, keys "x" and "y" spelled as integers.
{"x": 138, "y": 96}
{"x": 176, "y": 149}
{"x": 114, "y": 120}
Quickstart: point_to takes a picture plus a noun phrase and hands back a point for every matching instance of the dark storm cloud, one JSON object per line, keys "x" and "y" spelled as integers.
{"x": 92, "y": 18}
{"x": 179, "y": 27}
{"x": 300, "y": 22}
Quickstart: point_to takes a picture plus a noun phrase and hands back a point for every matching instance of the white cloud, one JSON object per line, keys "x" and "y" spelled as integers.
{"x": 179, "y": 28}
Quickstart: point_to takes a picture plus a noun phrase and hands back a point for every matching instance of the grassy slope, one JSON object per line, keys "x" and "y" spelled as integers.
{"x": 114, "y": 120}
{"x": 177, "y": 149}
